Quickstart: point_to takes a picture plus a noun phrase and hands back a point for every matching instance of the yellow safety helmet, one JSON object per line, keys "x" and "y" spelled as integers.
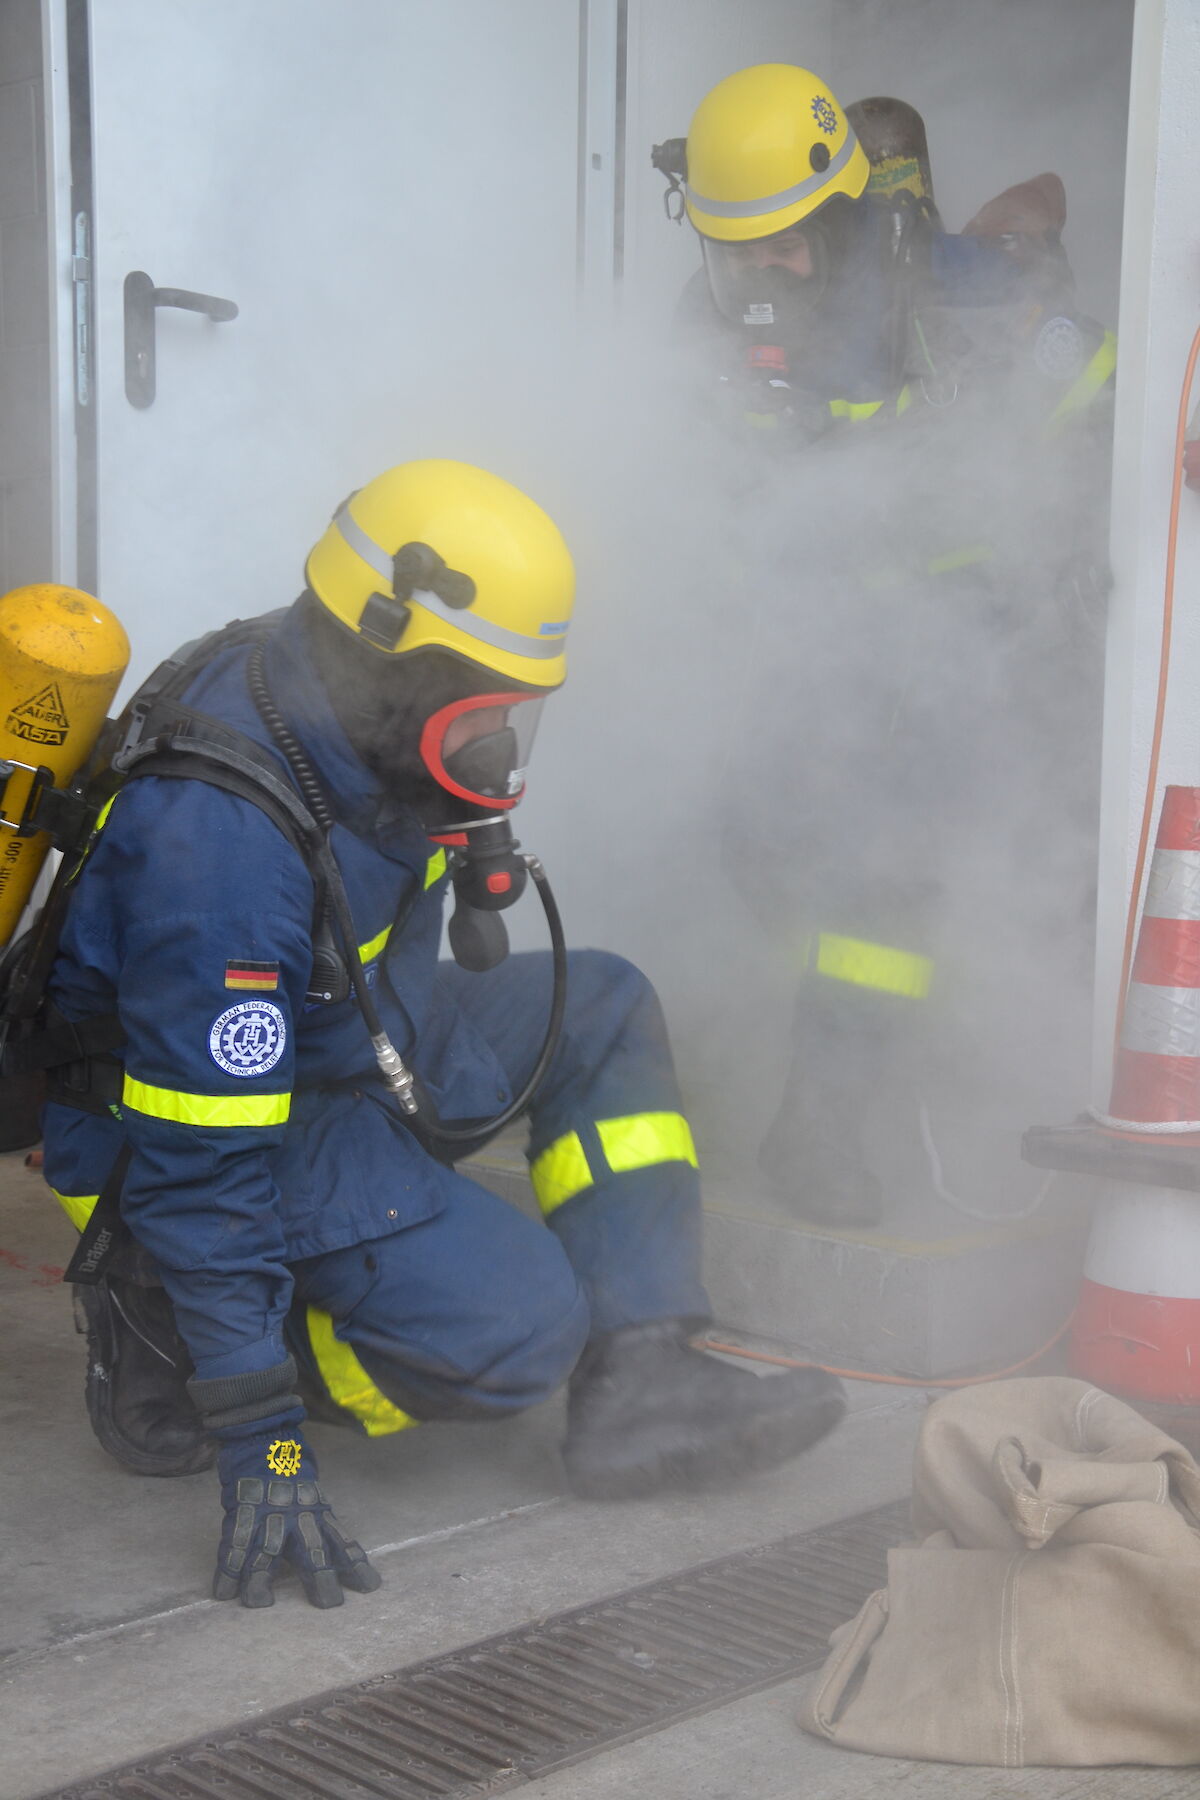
{"x": 442, "y": 555}
{"x": 768, "y": 147}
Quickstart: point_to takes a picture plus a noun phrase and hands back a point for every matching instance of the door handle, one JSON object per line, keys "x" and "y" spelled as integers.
{"x": 142, "y": 299}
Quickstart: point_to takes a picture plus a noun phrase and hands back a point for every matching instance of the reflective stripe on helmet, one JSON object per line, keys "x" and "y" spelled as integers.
{"x": 748, "y": 209}
{"x": 637, "y": 1141}
{"x": 225, "y": 1110}
{"x": 862, "y": 964}
{"x": 348, "y": 1382}
{"x": 541, "y": 649}
{"x": 516, "y": 643}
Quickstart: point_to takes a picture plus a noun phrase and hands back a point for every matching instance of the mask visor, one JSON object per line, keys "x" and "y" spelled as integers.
{"x": 478, "y": 748}
{"x": 773, "y": 282}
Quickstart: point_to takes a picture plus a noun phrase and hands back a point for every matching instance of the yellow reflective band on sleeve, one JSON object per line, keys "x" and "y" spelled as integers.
{"x": 643, "y": 1139}
{"x": 435, "y": 868}
{"x": 638, "y": 1141}
{"x": 967, "y": 558}
{"x": 78, "y": 1207}
{"x": 102, "y": 815}
{"x": 368, "y": 951}
{"x": 872, "y": 965}
{"x": 903, "y": 400}
{"x": 348, "y": 1382}
{"x": 1085, "y": 387}
{"x": 560, "y": 1172}
{"x": 206, "y": 1109}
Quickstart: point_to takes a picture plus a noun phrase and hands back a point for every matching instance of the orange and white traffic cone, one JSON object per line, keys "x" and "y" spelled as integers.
{"x": 1137, "y": 1324}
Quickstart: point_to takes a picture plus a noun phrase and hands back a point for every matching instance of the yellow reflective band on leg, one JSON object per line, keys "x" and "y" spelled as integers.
{"x": 873, "y": 966}
{"x": 348, "y": 1382}
{"x": 435, "y": 868}
{"x": 560, "y": 1172}
{"x": 644, "y": 1139}
{"x": 78, "y": 1207}
{"x": 638, "y": 1141}
{"x": 206, "y": 1109}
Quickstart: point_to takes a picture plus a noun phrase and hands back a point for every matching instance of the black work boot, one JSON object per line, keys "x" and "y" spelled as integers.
{"x": 845, "y": 1044}
{"x": 136, "y": 1385}
{"x": 818, "y": 1165}
{"x": 646, "y": 1411}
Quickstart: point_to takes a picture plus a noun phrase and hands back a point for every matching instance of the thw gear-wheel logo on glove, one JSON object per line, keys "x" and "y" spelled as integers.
{"x": 283, "y": 1457}
{"x": 248, "y": 1039}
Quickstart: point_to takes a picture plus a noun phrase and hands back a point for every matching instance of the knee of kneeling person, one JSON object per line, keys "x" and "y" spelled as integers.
{"x": 604, "y": 973}
{"x": 539, "y": 1357}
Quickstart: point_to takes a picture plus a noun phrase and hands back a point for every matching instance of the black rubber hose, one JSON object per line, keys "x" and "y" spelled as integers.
{"x": 477, "y": 1135}
{"x": 313, "y": 795}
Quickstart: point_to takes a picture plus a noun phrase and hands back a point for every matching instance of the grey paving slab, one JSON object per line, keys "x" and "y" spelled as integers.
{"x": 754, "y": 1750}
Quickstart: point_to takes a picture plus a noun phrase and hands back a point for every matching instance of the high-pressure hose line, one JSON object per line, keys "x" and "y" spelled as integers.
{"x": 466, "y": 1138}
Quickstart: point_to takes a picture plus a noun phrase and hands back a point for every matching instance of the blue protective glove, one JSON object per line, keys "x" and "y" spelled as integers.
{"x": 275, "y": 1514}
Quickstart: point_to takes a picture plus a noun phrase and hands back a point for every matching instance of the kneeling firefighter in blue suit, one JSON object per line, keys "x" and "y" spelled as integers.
{"x": 272, "y": 1136}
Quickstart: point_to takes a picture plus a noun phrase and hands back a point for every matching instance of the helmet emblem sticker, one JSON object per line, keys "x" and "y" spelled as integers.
{"x": 248, "y": 1039}
{"x": 283, "y": 1457}
{"x": 42, "y": 719}
{"x": 825, "y": 113}
{"x": 1059, "y": 351}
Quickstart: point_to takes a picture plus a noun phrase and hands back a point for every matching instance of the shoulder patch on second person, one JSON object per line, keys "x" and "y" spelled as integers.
{"x": 1059, "y": 350}
{"x": 248, "y": 1039}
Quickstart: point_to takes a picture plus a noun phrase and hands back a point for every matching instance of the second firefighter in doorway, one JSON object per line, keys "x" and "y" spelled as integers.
{"x": 916, "y": 428}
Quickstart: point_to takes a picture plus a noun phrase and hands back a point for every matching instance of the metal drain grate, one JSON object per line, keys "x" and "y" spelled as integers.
{"x": 492, "y": 1716}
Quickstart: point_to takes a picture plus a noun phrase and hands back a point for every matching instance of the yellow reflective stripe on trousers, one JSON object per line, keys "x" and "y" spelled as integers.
{"x": 879, "y": 966}
{"x": 560, "y": 1172}
{"x": 435, "y": 868}
{"x": 348, "y": 1382}
{"x": 637, "y": 1141}
{"x": 644, "y": 1139}
{"x": 1085, "y": 387}
{"x": 78, "y": 1207}
{"x": 205, "y": 1109}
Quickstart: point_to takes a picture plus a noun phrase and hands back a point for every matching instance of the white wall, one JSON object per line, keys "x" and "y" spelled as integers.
{"x": 1160, "y": 310}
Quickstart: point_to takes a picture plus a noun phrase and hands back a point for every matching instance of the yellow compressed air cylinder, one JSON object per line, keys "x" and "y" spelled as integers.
{"x": 62, "y": 656}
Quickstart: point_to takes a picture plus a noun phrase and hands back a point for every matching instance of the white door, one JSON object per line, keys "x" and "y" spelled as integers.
{"x": 388, "y": 193}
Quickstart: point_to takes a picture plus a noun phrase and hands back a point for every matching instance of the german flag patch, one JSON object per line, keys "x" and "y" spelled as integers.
{"x": 251, "y": 977}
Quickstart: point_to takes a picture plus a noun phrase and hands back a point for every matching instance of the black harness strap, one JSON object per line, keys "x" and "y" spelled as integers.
{"x": 106, "y": 1230}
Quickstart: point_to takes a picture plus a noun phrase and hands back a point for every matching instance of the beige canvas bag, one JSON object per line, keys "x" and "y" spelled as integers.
{"x": 1050, "y": 1611}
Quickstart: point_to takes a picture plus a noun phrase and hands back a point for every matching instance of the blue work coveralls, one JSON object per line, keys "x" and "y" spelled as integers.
{"x": 284, "y": 1201}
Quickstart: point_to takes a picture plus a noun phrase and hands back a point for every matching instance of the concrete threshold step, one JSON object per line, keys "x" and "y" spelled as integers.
{"x": 931, "y": 1293}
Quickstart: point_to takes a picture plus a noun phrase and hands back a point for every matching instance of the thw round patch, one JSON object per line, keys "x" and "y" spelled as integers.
{"x": 1059, "y": 350}
{"x": 248, "y": 1039}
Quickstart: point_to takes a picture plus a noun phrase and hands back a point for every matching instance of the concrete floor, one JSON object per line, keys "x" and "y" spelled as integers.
{"x": 109, "y": 1648}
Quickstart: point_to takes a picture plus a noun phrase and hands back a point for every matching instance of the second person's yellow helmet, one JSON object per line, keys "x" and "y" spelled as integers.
{"x": 768, "y": 147}
{"x": 442, "y": 555}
